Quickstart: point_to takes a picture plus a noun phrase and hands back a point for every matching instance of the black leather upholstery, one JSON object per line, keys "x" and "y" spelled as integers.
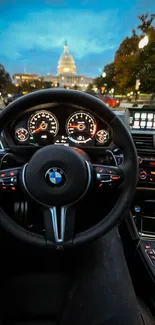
{"x": 147, "y": 318}
{"x": 46, "y": 322}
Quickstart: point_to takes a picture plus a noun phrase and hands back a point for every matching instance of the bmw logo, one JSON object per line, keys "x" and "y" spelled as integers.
{"x": 55, "y": 176}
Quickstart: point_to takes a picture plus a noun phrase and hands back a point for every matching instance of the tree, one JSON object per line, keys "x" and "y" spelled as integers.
{"x": 90, "y": 90}
{"x": 107, "y": 81}
{"x": 99, "y": 82}
{"x": 10, "y": 88}
{"x": 5, "y": 80}
{"x": 34, "y": 85}
{"x": 146, "y": 22}
{"x": 132, "y": 63}
{"x": 126, "y": 64}
{"x": 25, "y": 87}
{"x": 75, "y": 87}
{"x": 109, "y": 69}
{"x": 48, "y": 84}
{"x": 147, "y": 59}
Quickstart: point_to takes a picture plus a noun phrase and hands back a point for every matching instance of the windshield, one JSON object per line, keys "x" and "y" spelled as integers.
{"x": 103, "y": 48}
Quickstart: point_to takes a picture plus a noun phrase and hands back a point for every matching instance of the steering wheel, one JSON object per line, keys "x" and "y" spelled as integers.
{"x": 73, "y": 175}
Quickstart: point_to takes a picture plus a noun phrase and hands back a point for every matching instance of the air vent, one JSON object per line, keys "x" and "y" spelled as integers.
{"x": 143, "y": 142}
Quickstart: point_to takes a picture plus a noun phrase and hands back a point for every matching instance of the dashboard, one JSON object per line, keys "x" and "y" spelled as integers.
{"x": 60, "y": 124}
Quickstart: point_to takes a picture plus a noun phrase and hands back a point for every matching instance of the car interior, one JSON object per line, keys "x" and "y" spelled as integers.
{"x": 77, "y": 185}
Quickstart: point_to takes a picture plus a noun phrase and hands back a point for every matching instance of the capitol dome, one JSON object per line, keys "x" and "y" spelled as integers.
{"x": 66, "y": 64}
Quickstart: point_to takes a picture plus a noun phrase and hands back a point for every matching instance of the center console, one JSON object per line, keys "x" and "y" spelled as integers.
{"x": 146, "y": 171}
{"x": 143, "y": 208}
{"x": 141, "y": 219}
{"x": 142, "y": 129}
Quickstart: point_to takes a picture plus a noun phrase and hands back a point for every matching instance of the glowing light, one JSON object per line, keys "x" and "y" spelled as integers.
{"x": 103, "y": 74}
{"x": 66, "y": 69}
{"x": 143, "y": 42}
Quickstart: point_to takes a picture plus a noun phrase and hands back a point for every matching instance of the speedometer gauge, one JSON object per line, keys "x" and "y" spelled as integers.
{"x": 43, "y": 121}
{"x": 81, "y": 127}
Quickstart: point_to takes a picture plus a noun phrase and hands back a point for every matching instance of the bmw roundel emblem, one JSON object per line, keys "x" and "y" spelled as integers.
{"x": 55, "y": 176}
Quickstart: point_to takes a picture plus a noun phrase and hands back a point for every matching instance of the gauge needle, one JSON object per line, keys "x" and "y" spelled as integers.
{"x": 37, "y": 130}
{"x": 79, "y": 126}
{"x": 43, "y": 126}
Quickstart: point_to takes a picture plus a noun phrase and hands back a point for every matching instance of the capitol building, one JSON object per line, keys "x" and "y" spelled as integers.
{"x": 66, "y": 74}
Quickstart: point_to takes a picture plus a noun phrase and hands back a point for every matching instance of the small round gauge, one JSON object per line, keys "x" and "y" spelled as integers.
{"x": 81, "y": 127}
{"x": 102, "y": 136}
{"x": 43, "y": 121}
{"x": 21, "y": 134}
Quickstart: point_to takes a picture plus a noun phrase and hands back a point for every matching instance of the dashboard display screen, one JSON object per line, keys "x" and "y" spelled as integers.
{"x": 140, "y": 119}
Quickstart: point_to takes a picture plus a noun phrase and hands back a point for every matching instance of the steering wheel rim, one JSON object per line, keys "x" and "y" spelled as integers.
{"x": 121, "y": 138}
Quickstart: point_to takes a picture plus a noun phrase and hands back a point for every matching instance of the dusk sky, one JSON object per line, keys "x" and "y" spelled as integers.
{"x": 33, "y": 32}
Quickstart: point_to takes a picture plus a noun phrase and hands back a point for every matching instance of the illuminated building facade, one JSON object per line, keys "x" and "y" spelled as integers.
{"x": 66, "y": 74}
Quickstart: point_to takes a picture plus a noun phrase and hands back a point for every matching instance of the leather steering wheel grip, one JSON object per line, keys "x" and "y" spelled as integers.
{"x": 121, "y": 138}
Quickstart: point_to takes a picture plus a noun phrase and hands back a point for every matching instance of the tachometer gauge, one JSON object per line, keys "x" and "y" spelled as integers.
{"x": 81, "y": 127}
{"x": 21, "y": 134}
{"x": 102, "y": 136}
{"x": 43, "y": 121}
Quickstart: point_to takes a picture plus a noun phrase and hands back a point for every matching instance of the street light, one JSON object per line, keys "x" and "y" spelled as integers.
{"x": 143, "y": 42}
{"x": 103, "y": 74}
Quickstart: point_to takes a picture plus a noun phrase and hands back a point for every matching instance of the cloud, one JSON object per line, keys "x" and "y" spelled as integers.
{"x": 87, "y": 33}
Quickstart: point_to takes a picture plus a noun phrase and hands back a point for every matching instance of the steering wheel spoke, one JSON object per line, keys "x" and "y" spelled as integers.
{"x": 59, "y": 224}
{"x": 105, "y": 174}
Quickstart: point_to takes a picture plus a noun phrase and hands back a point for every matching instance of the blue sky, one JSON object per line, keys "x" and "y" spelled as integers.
{"x": 32, "y": 32}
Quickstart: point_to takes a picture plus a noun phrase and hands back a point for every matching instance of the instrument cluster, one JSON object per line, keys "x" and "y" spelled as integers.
{"x": 61, "y": 126}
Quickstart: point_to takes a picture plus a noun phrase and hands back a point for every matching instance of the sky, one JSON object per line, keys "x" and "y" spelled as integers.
{"x": 33, "y": 32}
